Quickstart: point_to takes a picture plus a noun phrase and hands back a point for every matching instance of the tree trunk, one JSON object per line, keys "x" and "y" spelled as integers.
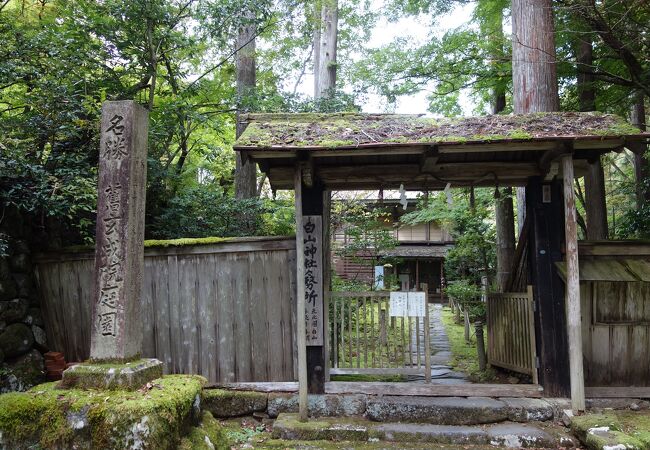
{"x": 327, "y": 49}
{"x": 585, "y": 76}
{"x": 505, "y": 228}
{"x": 316, "y": 46}
{"x": 245, "y": 171}
{"x": 595, "y": 203}
{"x": 521, "y": 209}
{"x": 503, "y": 211}
{"x": 534, "y": 75}
{"x": 641, "y": 167}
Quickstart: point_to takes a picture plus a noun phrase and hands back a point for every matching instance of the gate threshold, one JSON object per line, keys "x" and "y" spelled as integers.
{"x": 402, "y": 389}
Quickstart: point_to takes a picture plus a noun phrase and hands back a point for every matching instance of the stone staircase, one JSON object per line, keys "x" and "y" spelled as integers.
{"x": 432, "y": 422}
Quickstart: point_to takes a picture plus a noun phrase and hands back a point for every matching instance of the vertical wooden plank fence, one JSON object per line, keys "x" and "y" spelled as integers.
{"x": 511, "y": 332}
{"x": 225, "y": 311}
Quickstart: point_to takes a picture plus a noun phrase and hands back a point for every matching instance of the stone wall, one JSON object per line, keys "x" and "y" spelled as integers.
{"x": 22, "y": 334}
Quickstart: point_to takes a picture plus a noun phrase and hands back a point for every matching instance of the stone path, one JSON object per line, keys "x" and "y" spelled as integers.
{"x": 441, "y": 372}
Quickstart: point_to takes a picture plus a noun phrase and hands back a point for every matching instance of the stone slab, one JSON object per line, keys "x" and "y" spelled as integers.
{"x": 361, "y": 431}
{"x": 224, "y": 404}
{"x": 439, "y": 434}
{"x": 127, "y": 376}
{"x": 288, "y": 426}
{"x": 520, "y": 436}
{"x": 528, "y": 409}
{"x": 319, "y": 405}
{"x": 437, "y": 410}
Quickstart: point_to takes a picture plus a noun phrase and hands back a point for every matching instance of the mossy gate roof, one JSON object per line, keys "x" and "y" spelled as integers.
{"x": 360, "y": 151}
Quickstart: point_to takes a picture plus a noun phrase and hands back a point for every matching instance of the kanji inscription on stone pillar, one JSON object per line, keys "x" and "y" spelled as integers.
{"x": 119, "y": 249}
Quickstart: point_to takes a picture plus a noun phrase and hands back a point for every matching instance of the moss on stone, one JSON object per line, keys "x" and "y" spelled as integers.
{"x": 50, "y": 417}
{"x": 631, "y": 429}
{"x": 230, "y": 403}
{"x": 110, "y": 375}
{"x": 208, "y": 435}
{"x": 289, "y": 426}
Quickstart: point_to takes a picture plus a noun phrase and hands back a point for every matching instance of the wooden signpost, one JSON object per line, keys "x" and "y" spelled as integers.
{"x": 312, "y": 229}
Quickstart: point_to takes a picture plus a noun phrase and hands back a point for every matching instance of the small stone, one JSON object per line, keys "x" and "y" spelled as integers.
{"x": 13, "y": 310}
{"x": 261, "y": 416}
{"x": 39, "y": 335}
{"x": 635, "y": 407}
{"x": 567, "y": 416}
{"x": 513, "y": 380}
{"x": 16, "y": 340}
{"x": 23, "y": 373}
{"x": 34, "y": 317}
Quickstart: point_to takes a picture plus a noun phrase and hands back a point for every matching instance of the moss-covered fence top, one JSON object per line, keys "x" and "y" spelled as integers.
{"x": 181, "y": 246}
{"x": 340, "y": 130}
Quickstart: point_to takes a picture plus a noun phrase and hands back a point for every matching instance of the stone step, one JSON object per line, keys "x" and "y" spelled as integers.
{"x": 457, "y": 410}
{"x": 510, "y": 435}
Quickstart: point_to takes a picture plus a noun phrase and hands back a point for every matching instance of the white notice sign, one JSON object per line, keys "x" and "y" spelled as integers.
{"x": 416, "y": 304}
{"x": 398, "y": 304}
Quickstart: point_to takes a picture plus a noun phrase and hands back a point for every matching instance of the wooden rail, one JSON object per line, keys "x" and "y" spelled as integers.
{"x": 511, "y": 332}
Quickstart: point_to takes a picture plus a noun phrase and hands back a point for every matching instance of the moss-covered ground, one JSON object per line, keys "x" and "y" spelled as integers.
{"x": 464, "y": 355}
{"x": 47, "y": 417}
{"x": 630, "y": 429}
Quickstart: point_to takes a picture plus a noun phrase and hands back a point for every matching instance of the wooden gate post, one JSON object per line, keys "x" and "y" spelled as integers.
{"x": 313, "y": 206}
{"x": 480, "y": 345}
{"x": 574, "y": 322}
{"x": 301, "y": 329}
{"x": 546, "y": 232}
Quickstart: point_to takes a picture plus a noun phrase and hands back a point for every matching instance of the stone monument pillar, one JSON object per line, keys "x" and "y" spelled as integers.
{"x": 119, "y": 250}
{"x": 116, "y": 336}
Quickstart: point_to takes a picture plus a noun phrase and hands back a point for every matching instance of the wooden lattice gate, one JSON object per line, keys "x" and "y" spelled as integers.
{"x": 364, "y": 338}
{"x": 511, "y": 332}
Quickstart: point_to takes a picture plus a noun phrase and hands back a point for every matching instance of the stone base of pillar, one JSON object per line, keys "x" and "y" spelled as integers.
{"x": 112, "y": 376}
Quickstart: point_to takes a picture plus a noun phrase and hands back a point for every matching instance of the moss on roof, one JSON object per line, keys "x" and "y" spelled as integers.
{"x": 339, "y": 130}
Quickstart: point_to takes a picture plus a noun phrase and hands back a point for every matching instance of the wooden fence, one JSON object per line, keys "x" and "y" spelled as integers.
{"x": 616, "y": 333}
{"x": 364, "y": 336}
{"x": 511, "y": 332}
{"x": 225, "y": 311}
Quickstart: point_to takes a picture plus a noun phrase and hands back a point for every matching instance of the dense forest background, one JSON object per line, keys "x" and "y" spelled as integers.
{"x": 197, "y": 65}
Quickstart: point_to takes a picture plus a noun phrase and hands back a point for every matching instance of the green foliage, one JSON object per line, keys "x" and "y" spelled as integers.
{"x": 204, "y": 211}
{"x": 471, "y": 228}
{"x": 463, "y": 291}
{"x": 368, "y": 229}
